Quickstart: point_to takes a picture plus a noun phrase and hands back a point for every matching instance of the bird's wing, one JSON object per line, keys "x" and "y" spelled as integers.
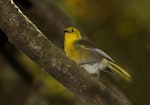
{"x": 89, "y": 46}
{"x": 98, "y": 51}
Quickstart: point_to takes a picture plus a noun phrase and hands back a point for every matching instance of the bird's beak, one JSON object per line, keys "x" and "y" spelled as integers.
{"x": 65, "y": 31}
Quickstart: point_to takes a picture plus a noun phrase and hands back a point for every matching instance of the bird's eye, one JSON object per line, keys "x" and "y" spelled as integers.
{"x": 72, "y": 30}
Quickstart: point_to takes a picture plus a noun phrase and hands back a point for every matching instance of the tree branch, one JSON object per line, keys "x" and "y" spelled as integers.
{"x": 51, "y": 19}
{"x": 27, "y": 37}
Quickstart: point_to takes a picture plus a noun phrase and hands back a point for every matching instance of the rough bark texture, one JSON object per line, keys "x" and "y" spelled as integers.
{"x": 48, "y": 17}
{"x": 27, "y": 37}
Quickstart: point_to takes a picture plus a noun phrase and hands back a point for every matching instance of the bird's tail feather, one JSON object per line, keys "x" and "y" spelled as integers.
{"x": 119, "y": 70}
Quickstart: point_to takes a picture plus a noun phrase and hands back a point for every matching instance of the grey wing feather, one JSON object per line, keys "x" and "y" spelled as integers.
{"x": 98, "y": 51}
{"x": 89, "y": 46}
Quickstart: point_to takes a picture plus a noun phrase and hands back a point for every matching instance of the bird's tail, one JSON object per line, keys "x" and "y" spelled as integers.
{"x": 119, "y": 70}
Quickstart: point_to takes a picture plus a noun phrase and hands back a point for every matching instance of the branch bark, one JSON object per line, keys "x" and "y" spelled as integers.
{"x": 51, "y": 19}
{"x": 27, "y": 37}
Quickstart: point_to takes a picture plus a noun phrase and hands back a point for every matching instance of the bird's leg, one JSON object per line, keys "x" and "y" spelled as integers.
{"x": 98, "y": 74}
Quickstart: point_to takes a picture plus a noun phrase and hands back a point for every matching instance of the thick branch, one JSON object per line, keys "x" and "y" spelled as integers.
{"x": 26, "y": 36}
{"x": 51, "y": 19}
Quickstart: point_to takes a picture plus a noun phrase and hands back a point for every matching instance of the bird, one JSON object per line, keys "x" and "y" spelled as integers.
{"x": 85, "y": 54}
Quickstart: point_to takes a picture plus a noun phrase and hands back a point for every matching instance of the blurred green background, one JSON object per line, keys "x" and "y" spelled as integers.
{"x": 120, "y": 28}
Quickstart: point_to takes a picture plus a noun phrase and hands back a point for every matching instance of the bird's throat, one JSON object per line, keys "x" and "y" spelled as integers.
{"x": 69, "y": 48}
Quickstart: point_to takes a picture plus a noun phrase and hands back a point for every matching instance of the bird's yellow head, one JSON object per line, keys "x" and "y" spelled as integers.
{"x": 72, "y": 34}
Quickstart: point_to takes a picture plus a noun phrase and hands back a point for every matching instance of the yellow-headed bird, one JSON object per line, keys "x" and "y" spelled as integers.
{"x": 92, "y": 59}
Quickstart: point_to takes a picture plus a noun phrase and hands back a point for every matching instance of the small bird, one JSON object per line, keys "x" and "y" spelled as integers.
{"x": 84, "y": 53}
